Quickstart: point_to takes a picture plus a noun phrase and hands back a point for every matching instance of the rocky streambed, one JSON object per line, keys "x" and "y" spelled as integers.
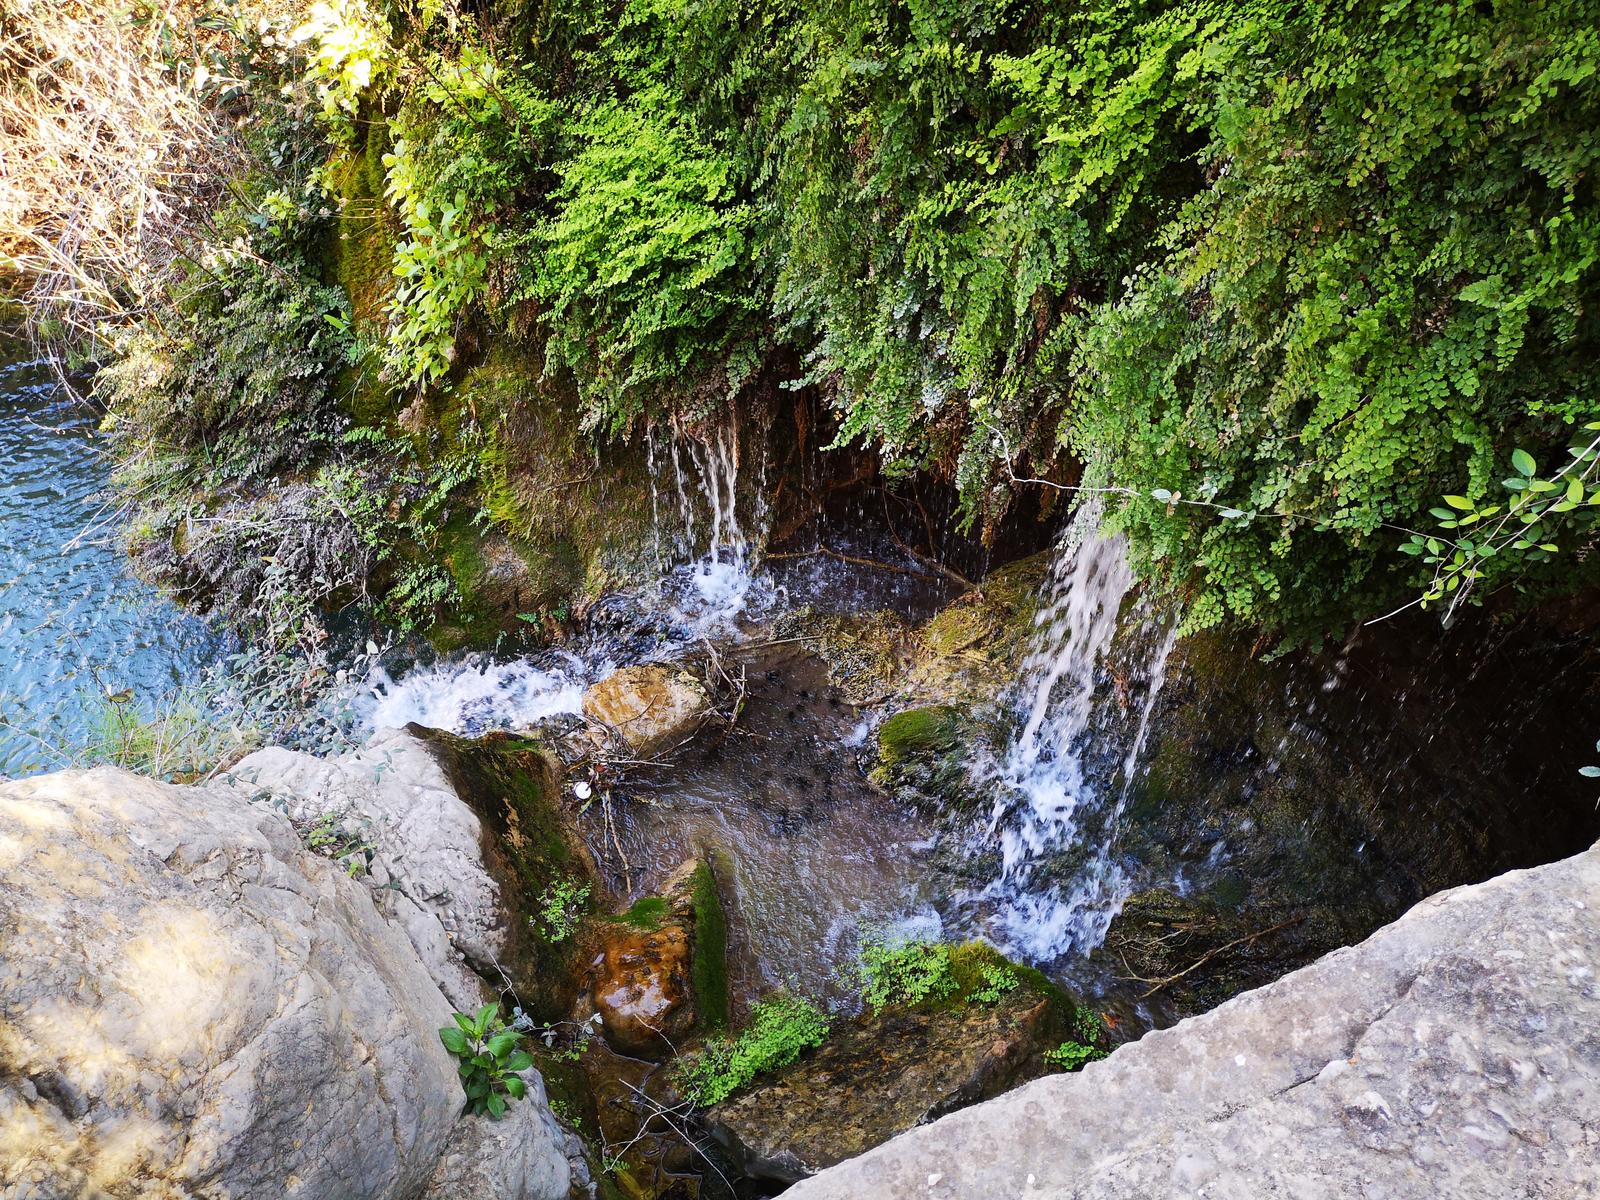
{"x": 684, "y": 862}
{"x": 767, "y": 862}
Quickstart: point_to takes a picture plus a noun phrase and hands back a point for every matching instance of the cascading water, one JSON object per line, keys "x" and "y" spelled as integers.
{"x": 698, "y": 595}
{"x": 721, "y": 579}
{"x": 474, "y": 695}
{"x": 1060, "y": 785}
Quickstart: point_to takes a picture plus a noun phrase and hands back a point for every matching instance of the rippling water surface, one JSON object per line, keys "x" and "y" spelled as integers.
{"x": 74, "y": 624}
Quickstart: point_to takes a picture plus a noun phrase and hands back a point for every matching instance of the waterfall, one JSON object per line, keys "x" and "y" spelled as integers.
{"x": 718, "y": 584}
{"x": 475, "y": 694}
{"x": 707, "y": 583}
{"x": 1061, "y": 784}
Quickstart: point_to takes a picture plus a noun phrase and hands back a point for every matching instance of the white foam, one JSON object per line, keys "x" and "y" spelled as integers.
{"x": 1045, "y": 791}
{"x": 472, "y": 695}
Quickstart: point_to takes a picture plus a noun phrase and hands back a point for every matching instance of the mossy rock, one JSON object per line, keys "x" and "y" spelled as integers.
{"x": 647, "y": 913}
{"x": 359, "y": 257}
{"x": 551, "y": 522}
{"x": 967, "y": 653}
{"x": 530, "y": 843}
{"x": 865, "y": 653}
{"x": 923, "y": 757}
{"x": 657, "y": 972}
{"x": 885, "y": 1072}
{"x": 919, "y": 732}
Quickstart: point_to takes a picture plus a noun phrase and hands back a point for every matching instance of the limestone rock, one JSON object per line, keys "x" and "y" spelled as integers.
{"x": 455, "y": 838}
{"x": 651, "y": 707}
{"x": 878, "y": 1076}
{"x": 1451, "y": 1054}
{"x": 427, "y": 868}
{"x": 523, "y": 1154}
{"x": 192, "y": 1004}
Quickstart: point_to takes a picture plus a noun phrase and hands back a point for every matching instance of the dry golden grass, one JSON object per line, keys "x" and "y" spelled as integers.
{"x": 113, "y": 146}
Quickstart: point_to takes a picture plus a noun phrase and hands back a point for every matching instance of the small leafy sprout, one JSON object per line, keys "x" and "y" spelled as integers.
{"x": 329, "y": 839}
{"x": 1072, "y": 1056}
{"x": 491, "y": 1061}
{"x": 1521, "y": 529}
{"x": 1082, "y": 1047}
{"x": 907, "y": 973}
{"x": 560, "y": 909}
{"x": 587, "y": 1031}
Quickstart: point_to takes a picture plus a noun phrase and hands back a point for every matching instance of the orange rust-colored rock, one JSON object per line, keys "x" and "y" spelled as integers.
{"x": 640, "y": 978}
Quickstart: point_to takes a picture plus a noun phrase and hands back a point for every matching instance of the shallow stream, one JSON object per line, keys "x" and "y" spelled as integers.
{"x": 77, "y": 630}
{"x": 811, "y": 855}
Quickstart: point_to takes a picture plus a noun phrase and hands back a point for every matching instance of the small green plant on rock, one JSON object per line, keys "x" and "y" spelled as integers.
{"x": 328, "y": 837}
{"x": 781, "y": 1029}
{"x": 998, "y": 979}
{"x": 1081, "y": 1048}
{"x": 910, "y": 972}
{"x": 1072, "y": 1056}
{"x": 491, "y": 1060}
{"x": 560, "y": 909}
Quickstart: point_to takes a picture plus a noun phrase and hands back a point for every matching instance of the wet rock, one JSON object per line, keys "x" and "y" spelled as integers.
{"x": 194, "y": 1004}
{"x": 641, "y": 976}
{"x": 917, "y": 732}
{"x": 639, "y": 984}
{"x": 879, "y": 1075}
{"x": 532, "y": 849}
{"x": 651, "y": 708}
{"x": 1451, "y": 1054}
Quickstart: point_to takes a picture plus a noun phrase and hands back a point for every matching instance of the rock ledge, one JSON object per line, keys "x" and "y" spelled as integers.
{"x": 1453, "y": 1053}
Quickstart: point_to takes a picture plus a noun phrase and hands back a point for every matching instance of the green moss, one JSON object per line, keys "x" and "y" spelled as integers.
{"x": 647, "y": 912}
{"x": 474, "y": 621}
{"x": 970, "y": 960}
{"x": 461, "y": 548}
{"x": 359, "y": 256}
{"x": 529, "y": 842}
{"x": 1230, "y": 890}
{"x": 710, "y": 969}
{"x": 919, "y": 731}
{"x": 923, "y": 754}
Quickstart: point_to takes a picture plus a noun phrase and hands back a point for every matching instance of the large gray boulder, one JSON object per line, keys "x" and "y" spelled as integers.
{"x": 1452, "y": 1054}
{"x": 420, "y": 846}
{"x": 194, "y": 1005}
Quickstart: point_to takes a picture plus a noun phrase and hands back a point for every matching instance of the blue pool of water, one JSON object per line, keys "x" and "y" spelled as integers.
{"x": 75, "y": 625}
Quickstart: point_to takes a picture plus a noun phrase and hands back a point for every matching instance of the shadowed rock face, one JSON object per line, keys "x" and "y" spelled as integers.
{"x": 191, "y": 1003}
{"x": 1304, "y": 803}
{"x": 1453, "y": 1054}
